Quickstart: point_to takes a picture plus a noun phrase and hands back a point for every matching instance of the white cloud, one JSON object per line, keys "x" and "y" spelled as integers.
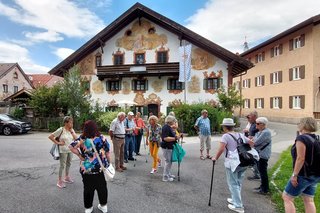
{"x": 49, "y": 36}
{"x": 227, "y": 22}
{"x": 63, "y": 53}
{"x": 12, "y": 53}
{"x": 59, "y": 16}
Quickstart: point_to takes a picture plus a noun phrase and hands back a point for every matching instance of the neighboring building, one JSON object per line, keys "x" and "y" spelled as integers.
{"x": 136, "y": 59}
{"x": 12, "y": 79}
{"x": 284, "y": 83}
{"x": 38, "y": 80}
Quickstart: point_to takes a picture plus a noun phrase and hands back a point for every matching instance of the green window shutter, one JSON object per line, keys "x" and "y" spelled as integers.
{"x": 169, "y": 109}
{"x": 107, "y": 86}
{"x": 145, "y": 110}
{"x": 220, "y": 84}
{"x": 183, "y": 85}
{"x": 133, "y": 85}
{"x": 168, "y": 84}
{"x": 205, "y": 84}
{"x": 146, "y": 85}
{"x": 120, "y": 84}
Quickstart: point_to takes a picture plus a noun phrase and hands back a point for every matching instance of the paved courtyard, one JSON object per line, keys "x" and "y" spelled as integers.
{"x": 28, "y": 180}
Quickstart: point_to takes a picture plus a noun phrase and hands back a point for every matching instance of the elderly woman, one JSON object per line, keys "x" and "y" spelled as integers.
{"x": 234, "y": 172}
{"x": 303, "y": 181}
{"x": 153, "y": 140}
{"x": 169, "y": 137}
{"x": 66, "y": 135}
{"x": 90, "y": 168}
{"x": 262, "y": 143}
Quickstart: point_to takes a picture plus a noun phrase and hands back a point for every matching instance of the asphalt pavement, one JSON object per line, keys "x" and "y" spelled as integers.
{"x": 28, "y": 177}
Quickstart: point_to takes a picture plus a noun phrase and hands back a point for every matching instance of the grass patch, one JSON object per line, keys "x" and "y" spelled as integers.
{"x": 281, "y": 179}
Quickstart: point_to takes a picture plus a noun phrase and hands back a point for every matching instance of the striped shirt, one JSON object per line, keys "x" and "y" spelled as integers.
{"x": 204, "y": 126}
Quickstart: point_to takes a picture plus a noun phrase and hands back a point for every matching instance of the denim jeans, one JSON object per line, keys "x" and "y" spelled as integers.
{"x": 234, "y": 180}
{"x": 306, "y": 186}
{"x": 129, "y": 147}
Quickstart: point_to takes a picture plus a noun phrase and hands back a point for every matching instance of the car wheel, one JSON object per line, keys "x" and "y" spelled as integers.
{"x": 7, "y": 130}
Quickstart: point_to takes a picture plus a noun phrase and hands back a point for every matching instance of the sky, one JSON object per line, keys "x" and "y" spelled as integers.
{"x": 39, "y": 34}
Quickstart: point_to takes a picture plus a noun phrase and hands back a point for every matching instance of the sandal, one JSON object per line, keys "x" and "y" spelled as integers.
{"x": 208, "y": 156}
{"x": 201, "y": 157}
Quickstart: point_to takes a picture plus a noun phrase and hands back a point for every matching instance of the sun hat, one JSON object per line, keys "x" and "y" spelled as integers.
{"x": 130, "y": 113}
{"x": 228, "y": 122}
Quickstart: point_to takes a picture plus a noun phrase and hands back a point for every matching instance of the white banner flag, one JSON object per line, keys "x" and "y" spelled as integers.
{"x": 185, "y": 63}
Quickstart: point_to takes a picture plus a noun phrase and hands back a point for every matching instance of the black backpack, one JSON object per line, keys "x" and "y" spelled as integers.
{"x": 313, "y": 166}
{"x": 246, "y": 159}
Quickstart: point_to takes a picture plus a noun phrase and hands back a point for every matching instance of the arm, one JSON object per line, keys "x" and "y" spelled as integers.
{"x": 52, "y": 138}
{"x": 73, "y": 133}
{"x": 73, "y": 148}
{"x": 196, "y": 125}
{"x": 147, "y": 138}
{"x": 220, "y": 151}
{"x": 301, "y": 154}
{"x": 263, "y": 137}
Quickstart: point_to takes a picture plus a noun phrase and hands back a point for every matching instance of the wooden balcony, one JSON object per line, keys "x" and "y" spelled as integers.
{"x": 153, "y": 69}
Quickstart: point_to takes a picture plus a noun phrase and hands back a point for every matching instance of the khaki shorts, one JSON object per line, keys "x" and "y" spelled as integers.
{"x": 205, "y": 139}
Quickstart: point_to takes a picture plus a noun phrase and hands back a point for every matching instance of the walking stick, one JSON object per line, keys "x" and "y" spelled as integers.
{"x": 134, "y": 146}
{"x": 145, "y": 147}
{"x": 179, "y": 161}
{"x": 213, "y": 163}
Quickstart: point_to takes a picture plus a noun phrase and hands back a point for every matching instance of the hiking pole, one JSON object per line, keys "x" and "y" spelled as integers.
{"x": 145, "y": 147}
{"x": 134, "y": 146}
{"x": 213, "y": 163}
{"x": 179, "y": 161}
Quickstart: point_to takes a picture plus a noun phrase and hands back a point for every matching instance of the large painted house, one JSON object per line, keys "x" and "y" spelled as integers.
{"x": 135, "y": 60}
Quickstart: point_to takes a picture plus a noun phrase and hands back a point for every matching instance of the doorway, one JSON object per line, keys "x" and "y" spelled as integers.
{"x": 154, "y": 109}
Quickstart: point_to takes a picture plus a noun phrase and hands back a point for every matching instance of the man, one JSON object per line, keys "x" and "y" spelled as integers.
{"x": 202, "y": 126}
{"x": 251, "y": 132}
{"x": 117, "y": 134}
{"x": 129, "y": 139}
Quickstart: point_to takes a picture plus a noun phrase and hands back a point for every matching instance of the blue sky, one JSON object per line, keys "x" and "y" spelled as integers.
{"x": 38, "y": 34}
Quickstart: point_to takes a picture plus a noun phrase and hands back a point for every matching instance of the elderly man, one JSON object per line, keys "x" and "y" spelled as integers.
{"x": 202, "y": 126}
{"x": 117, "y": 134}
{"x": 130, "y": 126}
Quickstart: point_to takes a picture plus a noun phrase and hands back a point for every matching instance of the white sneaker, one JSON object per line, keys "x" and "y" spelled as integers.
{"x": 153, "y": 171}
{"x": 104, "y": 208}
{"x": 166, "y": 179}
{"x": 88, "y": 210}
{"x": 235, "y": 209}
{"x": 229, "y": 200}
{"x": 159, "y": 164}
{"x": 172, "y": 176}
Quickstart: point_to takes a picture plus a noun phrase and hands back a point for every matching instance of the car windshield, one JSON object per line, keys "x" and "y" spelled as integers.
{"x": 5, "y": 117}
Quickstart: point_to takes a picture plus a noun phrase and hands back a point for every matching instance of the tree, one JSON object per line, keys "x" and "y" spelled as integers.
{"x": 230, "y": 98}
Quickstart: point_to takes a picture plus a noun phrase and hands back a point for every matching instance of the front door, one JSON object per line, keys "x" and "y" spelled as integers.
{"x": 154, "y": 109}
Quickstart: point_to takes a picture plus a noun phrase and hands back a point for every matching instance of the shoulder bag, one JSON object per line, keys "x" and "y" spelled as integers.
{"x": 54, "y": 151}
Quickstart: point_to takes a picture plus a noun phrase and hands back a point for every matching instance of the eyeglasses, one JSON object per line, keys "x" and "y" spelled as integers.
{"x": 259, "y": 123}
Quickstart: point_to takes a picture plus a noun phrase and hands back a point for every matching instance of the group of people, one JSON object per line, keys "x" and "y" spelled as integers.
{"x": 126, "y": 130}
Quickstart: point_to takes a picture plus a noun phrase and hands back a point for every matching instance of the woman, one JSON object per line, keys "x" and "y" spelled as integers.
{"x": 262, "y": 143}
{"x": 302, "y": 181}
{"x": 153, "y": 140}
{"x": 168, "y": 137}
{"x": 234, "y": 172}
{"x": 67, "y": 135}
{"x": 138, "y": 131}
{"x": 90, "y": 169}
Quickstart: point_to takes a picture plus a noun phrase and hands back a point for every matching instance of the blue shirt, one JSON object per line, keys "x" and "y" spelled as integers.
{"x": 204, "y": 126}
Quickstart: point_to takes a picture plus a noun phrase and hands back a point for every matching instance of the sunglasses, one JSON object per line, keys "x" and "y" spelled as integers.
{"x": 259, "y": 123}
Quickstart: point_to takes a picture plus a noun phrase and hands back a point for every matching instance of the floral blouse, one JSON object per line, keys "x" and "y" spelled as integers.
{"x": 155, "y": 134}
{"x": 91, "y": 165}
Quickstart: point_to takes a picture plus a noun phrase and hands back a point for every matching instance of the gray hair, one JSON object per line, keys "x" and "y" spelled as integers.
{"x": 172, "y": 114}
{"x": 262, "y": 120}
{"x": 204, "y": 111}
{"x": 121, "y": 114}
{"x": 170, "y": 119}
{"x": 309, "y": 124}
{"x": 254, "y": 113}
{"x": 66, "y": 119}
{"x": 153, "y": 117}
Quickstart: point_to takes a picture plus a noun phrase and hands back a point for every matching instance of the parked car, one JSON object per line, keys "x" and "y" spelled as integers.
{"x": 10, "y": 125}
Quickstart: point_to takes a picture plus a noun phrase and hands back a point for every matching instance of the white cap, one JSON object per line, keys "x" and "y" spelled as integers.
{"x": 130, "y": 113}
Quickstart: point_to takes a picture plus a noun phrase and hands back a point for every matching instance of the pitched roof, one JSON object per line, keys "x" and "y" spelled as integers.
{"x": 23, "y": 93}
{"x": 42, "y": 79}
{"x": 138, "y": 10}
{"x": 5, "y": 68}
{"x": 313, "y": 20}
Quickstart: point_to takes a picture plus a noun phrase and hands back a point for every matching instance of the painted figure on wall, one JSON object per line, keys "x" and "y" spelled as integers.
{"x": 202, "y": 60}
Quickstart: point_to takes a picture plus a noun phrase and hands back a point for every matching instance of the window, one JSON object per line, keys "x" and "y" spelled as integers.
{"x": 174, "y": 84}
{"x": 260, "y": 57}
{"x": 98, "y": 60}
{"x": 297, "y": 102}
{"x": 113, "y": 85}
{"x": 297, "y": 42}
{"x": 15, "y": 89}
{"x": 236, "y": 85}
{"x": 118, "y": 59}
{"x": 297, "y": 73}
{"x": 246, "y": 103}
{"x": 15, "y": 75}
{"x": 275, "y": 102}
{"x": 259, "y": 103}
{"x": 276, "y": 77}
{"x": 139, "y": 85}
{"x": 259, "y": 81}
{"x": 276, "y": 51}
{"x": 246, "y": 83}
{"x": 5, "y": 88}
{"x": 212, "y": 83}
{"x": 139, "y": 58}
{"x": 162, "y": 56}
{"x": 112, "y": 108}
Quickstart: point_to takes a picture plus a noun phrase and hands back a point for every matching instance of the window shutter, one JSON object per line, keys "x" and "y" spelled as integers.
{"x": 145, "y": 110}
{"x": 205, "y": 84}
{"x": 183, "y": 85}
{"x": 256, "y": 58}
{"x": 271, "y": 78}
{"x": 255, "y": 81}
{"x": 107, "y": 86}
{"x": 302, "y": 71}
{"x": 243, "y": 83}
{"x": 280, "y": 49}
{"x": 262, "y": 83}
{"x": 290, "y": 74}
{"x": 290, "y": 101}
{"x": 255, "y": 103}
{"x": 262, "y": 103}
{"x": 290, "y": 44}
{"x": 271, "y": 103}
{"x": 220, "y": 82}
{"x": 302, "y": 101}
{"x": 263, "y": 56}
{"x": 302, "y": 40}
{"x": 146, "y": 85}
{"x": 280, "y": 76}
{"x": 120, "y": 85}
{"x": 168, "y": 84}
{"x": 249, "y": 82}
{"x": 280, "y": 102}
{"x": 133, "y": 85}
{"x": 272, "y": 52}
{"x": 249, "y": 103}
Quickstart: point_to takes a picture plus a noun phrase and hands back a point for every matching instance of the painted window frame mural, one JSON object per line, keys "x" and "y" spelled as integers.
{"x": 139, "y": 58}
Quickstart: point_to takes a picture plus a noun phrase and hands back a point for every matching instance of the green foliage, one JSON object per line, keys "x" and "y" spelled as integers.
{"x": 54, "y": 125}
{"x": 229, "y": 98}
{"x": 106, "y": 118}
{"x": 188, "y": 114}
{"x": 284, "y": 164}
{"x": 18, "y": 113}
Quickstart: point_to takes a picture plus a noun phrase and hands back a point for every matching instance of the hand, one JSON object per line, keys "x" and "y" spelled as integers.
{"x": 251, "y": 143}
{"x": 62, "y": 143}
{"x": 213, "y": 159}
{"x": 294, "y": 181}
{"x": 147, "y": 143}
{"x": 80, "y": 157}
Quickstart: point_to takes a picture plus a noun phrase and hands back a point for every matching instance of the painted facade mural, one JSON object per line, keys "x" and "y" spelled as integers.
{"x": 97, "y": 87}
{"x": 194, "y": 85}
{"x": 126, "y": 87}
{"x": 87, "y": 65}
{"x": 202, "y": 60}
{"x": 139, "y": 99}
{"x": 141, "y": 36}
{"x": 157, "y": 85}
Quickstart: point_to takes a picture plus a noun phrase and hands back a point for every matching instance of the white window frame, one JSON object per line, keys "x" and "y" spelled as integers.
{"x": 296, "y": 102}
{"x": 276, "y": 51}
{"x": 297, "y": 42}
{"x": 275, "y": 78}
{"x": 275, "y": 102}
{"x": 246, "y": 83}
{"x": 259, "y": 103}
{"x": 246, "y": 103}
{"x": 15, "y": 89}
{"x": 296, "y": 73}
{"x": 259, "y": 81}
{"x": 260, "y": 59}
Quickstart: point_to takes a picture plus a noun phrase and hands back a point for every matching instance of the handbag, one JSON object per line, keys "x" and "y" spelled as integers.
{"x": 177, "y": 153}
{"x": 108, "y": 172}
{"x": 54, "y": 151}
